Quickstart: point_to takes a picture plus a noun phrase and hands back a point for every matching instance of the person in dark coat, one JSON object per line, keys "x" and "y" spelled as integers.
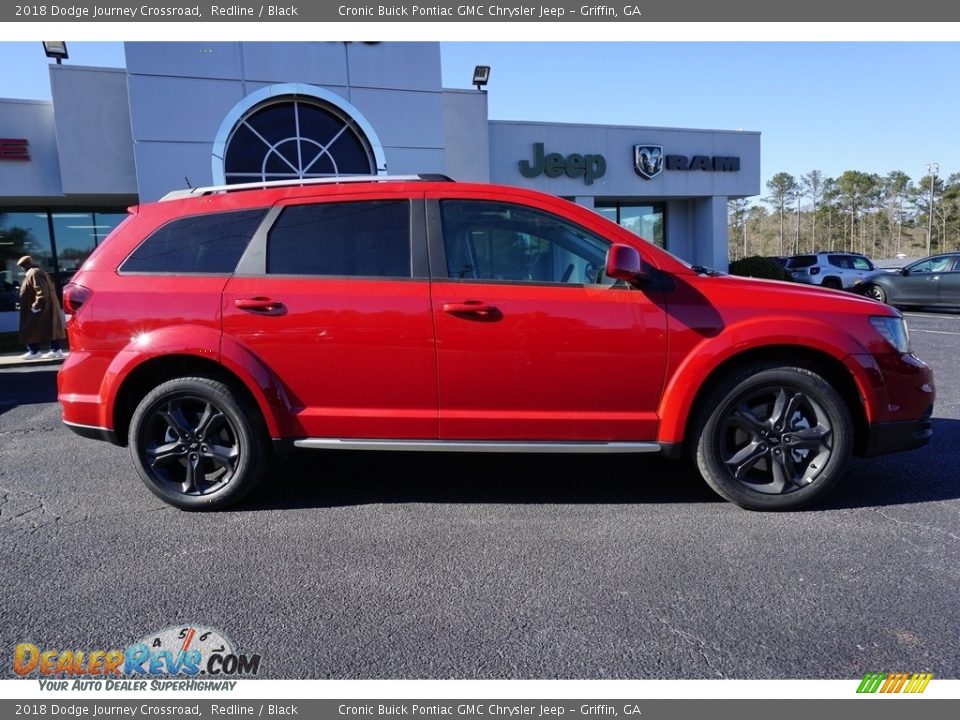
{"x": 40, "y": 318}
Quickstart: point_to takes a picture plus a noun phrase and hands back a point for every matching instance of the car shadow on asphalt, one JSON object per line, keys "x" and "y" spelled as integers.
{"x": 27, "y": 387}
{"x": 346, "y": 478}
{"x": 928, "y": 474}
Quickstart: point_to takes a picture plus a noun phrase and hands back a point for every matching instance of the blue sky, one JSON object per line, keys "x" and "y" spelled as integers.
{"x": 867, "y": 106}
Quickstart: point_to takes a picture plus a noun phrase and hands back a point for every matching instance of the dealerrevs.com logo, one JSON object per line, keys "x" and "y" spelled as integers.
{"x": 200, "y": 658}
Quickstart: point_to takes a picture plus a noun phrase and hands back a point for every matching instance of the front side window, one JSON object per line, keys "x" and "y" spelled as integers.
{"x": 933, "y": 265}
{"x": 344, "y": 239}
{"x": 210, "y": 243}
{"x": 500, "y": 241}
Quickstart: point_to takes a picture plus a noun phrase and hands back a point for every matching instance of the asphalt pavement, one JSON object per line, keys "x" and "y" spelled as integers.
{"x": 377, "y": 565}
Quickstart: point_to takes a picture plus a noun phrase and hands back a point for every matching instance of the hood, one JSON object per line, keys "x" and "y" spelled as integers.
{"x": 777, "y": 294}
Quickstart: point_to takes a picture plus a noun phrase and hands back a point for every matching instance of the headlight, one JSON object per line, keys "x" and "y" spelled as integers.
{"x": 893, "y": 330}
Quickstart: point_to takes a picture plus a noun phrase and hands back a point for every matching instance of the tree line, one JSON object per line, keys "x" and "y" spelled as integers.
{"x": 878, "y": 215}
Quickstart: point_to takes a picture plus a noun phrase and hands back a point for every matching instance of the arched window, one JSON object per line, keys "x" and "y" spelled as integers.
{"x": 293, "y": 132}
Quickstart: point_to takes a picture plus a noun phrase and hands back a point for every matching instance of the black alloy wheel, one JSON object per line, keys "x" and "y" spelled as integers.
{"x": 197, "y": 444}
{"x": 777, "y": 439}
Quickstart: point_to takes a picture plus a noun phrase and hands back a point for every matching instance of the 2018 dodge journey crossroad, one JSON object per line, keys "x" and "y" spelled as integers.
{"x": 221, "y": 324}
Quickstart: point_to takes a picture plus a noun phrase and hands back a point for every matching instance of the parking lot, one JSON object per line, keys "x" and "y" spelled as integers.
{"x": 380, "y": 565}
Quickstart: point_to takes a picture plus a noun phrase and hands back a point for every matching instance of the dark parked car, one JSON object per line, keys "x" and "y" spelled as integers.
{"x": 929, "y": 282}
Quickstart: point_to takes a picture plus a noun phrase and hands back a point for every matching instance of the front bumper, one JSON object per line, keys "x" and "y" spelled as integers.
{"x": 891, "y": 437}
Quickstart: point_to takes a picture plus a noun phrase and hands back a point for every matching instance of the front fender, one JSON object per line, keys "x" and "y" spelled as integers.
{"x": 757, "y": 334}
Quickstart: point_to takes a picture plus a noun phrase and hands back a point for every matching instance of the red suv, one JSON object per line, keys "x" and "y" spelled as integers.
{"x": 220, "y": 324}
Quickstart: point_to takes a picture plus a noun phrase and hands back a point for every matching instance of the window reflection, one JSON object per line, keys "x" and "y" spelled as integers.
{"x": 27, "y": 232}
{"x": 644, "y": 220}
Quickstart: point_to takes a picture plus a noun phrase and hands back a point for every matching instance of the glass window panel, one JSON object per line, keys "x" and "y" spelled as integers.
{"x": 609, "y": 212}
{"x": 21, "y": 233}
{"x": 274, "y": 122}
{"x": 245, "y": 152}
{"x": 76, "y": 235}
{"x": 200, "y": 244}
{"x": 642, "y": 219}
{"x": 355, "y": 239}
{"x": 499, "y": 241}
{"x": 323, "y": 165}
{"x": 351, "y": 155}
{"x": 328, "y": 144}
{"x": 106, "y": 223}
{"x": 318, "y": 124}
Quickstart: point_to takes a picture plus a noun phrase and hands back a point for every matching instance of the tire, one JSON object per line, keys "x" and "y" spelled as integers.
{"x": 749, "y": 456}
{"x": 832, "y": 283}
{"x": 171, "y": 445}
{"x": 876, "y": 292}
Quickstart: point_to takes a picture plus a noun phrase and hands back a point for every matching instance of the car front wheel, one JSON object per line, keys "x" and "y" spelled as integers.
{"x": 773, "y": 438}
{"x": 876, "y": 292}
{"x": 198, "y": 444}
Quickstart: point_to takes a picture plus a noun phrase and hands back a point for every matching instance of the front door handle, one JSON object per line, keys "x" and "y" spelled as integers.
{"x": 263, "y": 305}
{"x": 473, "y": 310}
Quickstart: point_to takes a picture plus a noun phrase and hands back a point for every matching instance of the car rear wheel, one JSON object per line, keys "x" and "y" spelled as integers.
{"x": 773, "y": 438}
{"x": 876, "y": 292}
{"x": 832, "y": 283}
{"x": 198, "y": 444}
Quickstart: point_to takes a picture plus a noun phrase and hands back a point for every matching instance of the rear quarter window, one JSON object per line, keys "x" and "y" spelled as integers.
{"x": 802, "y": 261}
{"x": 207, "y": 244}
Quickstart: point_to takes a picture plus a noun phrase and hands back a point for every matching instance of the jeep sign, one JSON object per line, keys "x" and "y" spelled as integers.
{"x": 589, "y": 167}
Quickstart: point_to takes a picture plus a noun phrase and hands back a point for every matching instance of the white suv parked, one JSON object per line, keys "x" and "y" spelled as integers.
{"x": 838, "y": 270}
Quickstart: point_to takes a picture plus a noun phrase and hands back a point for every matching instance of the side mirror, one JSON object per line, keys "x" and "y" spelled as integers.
{"x": 904, "y": 271}
{"x": 623, "y": 263}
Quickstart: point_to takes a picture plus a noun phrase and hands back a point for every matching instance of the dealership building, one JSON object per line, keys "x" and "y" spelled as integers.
{"x": 235, "y": 112}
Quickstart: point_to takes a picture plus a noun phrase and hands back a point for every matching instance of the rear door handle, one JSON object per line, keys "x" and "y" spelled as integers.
{"x": 474, "y": 310}
{"x": 263, "y": 305}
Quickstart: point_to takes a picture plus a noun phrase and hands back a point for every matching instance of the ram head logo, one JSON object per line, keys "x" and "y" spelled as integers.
{"x": 648, "y": 160}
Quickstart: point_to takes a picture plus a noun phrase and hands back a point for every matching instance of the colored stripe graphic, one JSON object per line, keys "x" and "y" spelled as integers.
{"x": 871, "y": 683}
{"x": 894, "y": 682}
{"x": 918, "y": 683}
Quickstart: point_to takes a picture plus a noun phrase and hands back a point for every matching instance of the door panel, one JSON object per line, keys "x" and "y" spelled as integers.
{"x": 555, "y": 363}
{"x": 921, "y": 288}
{"x": 356, "y": 357}
{"x": 950, "y": 285}
{"x": 352, "y": 343}
{"x": 534, "y": 341}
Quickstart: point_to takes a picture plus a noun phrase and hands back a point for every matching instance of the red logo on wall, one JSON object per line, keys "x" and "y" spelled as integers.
{"x": 14, "y": 149}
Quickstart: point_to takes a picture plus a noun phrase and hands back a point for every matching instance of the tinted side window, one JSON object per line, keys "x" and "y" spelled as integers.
{"x": 352, "y": 239}
{"x": 840, "y": 261}
{"x": 802, "y": 261}
{"x": 499, "y": 241}
{"x": 940, "y": 264}
{"x": 200, "y": 244}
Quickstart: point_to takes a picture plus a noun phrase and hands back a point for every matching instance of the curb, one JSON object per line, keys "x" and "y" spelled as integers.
{"x": 9, "y": 364}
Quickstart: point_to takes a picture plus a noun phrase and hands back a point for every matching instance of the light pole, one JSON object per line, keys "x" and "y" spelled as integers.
{"x": 932, "y": 169}
{"x": 797, "y": 251}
